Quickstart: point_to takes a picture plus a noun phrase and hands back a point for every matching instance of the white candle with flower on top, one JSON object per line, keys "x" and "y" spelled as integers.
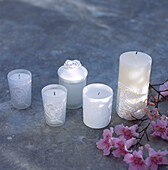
{"x": 20, "y": 84}
{"x": 133, "y": 82}
{"x": 72, "y": 75}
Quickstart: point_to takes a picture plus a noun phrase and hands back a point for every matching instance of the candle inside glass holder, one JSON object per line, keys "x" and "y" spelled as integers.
{"x": 54, "y": 101}
{"x": 97, "y": 105}
{"x": 20, "y": 84}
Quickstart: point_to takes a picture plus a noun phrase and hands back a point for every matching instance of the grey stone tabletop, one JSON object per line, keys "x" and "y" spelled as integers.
{"x": 39, "y": 35}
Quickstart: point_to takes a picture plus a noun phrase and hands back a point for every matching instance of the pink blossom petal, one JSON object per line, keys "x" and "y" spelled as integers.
{"x": 162, "y": 123}
{"x": 107, "y": 133}
{"x": 100, "y": 144}
{"x": 128, "y": 158}
{"x": 155, "y": 112}
{"x": 144, "y": 167}
{"x": 155, "y": 158}
{"x": 127, "y": 132}
{"x": 106, "y": 144}
{"x": 164, "y": 161}
{"x": 164, "y": 87}
{"x": 135, "y": 160}
{"x": 107, "y": 151}
{"x": 116, "y": 153}
{"x": 148, "y": 161}
{"x": 115, "y": 141}
{"x": 129, "y": 143}
{"x": 149, "y": 116}
{"x": 134, "y": 127}
{"x": 154, "y": 167}
{"x": 118, "y": 129}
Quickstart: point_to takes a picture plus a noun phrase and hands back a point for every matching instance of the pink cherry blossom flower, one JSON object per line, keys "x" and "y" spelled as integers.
{"x": 159, "y": 129}
{"x": 147, "y": 111}
{"x": 165, "y": 136}
{"x": 106, "y": 143}
{"x": 127, "y": 132}
{"x": 155, "y": 158}
{"x": 156, "y": 112}
{"x": 122, "y": 146}
{"x": 163, "y": 88}
{"x": 135, "y": 160}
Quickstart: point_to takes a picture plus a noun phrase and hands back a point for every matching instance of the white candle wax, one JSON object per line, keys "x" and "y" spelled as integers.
{"x": 73, "y": 76}
{"x": 134, "y": 75}
{"x": 20, "y": 88}
{"x": 54, "y": 102}
{"x": 134, "y": 69}
{"x": 97, "y": 105}
{"x": 19, "y": 77}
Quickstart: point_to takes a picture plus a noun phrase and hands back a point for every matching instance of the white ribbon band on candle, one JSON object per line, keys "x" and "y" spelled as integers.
{"x": 131, "y": 101}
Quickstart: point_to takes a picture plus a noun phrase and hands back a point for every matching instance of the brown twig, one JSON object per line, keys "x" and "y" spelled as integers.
{"x": 144, "y": 132}
{"x": 157, "y": 91}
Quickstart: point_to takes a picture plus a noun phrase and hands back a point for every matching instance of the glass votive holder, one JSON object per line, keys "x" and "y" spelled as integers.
{"x": 97, "y": 105}
{"x": 20, "y": 85}
{"x": 72, "y": 75}
{"x": 54, "y": 101}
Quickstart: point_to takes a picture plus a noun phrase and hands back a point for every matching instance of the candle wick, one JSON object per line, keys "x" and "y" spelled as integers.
{"x": 19, "y": 76}
{"x": 54, "y": 93}
{"x": 98, "y": 93}
{"x": 136, "y": 52}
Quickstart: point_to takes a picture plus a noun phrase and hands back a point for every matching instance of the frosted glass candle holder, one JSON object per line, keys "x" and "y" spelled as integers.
{"x": 54, "y": 101}
{"x": 97, "y": 105}
{"x": 72, "y": 75}
{"x": 133, "y": 82}
{"x": 20, "y": 84}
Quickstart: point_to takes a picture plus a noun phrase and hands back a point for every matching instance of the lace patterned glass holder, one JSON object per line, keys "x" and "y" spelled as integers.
{"x": 20, "y": 85}
{"x": 54, "y": 101}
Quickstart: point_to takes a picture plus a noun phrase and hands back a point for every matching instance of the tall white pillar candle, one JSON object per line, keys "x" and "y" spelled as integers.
{"x": 133, "y": 82}
{"x": 54, "y": 101}
{"x": 72, "y": 75}
{"x": 97, "y": 105}
{"x": 20, "y": 84}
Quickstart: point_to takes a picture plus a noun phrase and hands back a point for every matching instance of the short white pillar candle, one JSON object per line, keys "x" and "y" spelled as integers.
{"x": 72, "y": 75}
{"x": 133, "y": 82}
{"x": 20, "y": 84}
{"x": 97, "y": 105}
{"x": 54, "y": 101}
